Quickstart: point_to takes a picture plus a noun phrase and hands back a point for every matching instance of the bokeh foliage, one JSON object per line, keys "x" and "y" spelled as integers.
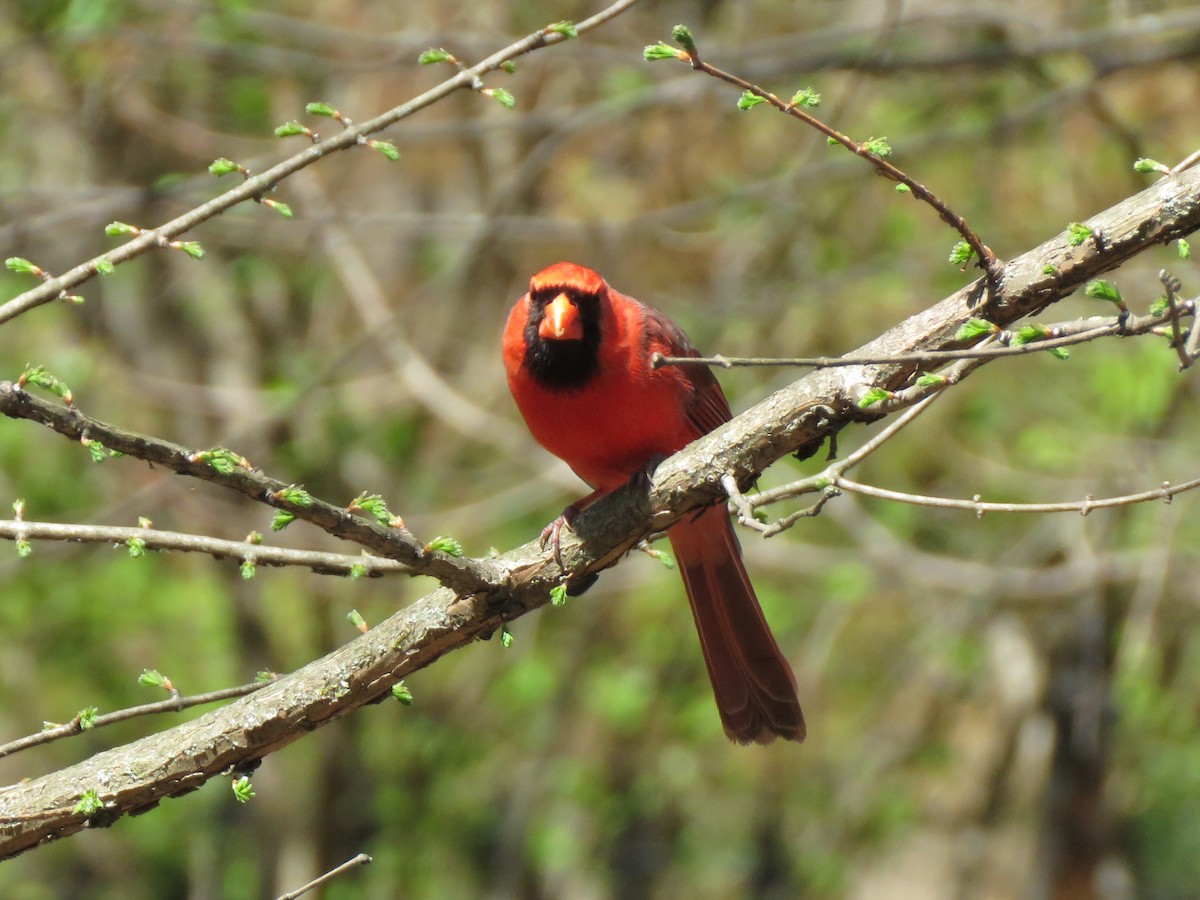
{"x": 946, "y": 663}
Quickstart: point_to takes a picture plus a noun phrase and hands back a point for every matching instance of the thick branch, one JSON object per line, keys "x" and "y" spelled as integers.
{"x": 136, "y": 776}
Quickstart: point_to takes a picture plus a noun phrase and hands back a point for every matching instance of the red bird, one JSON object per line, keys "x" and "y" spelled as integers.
{"x": 578, "y": 354}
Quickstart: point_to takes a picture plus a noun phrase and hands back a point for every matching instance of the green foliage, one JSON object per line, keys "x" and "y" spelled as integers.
{"x": 501, "y": 96}
{"x": 878, "y": 146}
{"x": 387, "y": 148}
{"x": 873, "y": 396}
{"x": 961, "y": 253}
{"x": 1078, "y": 233}
{"x": 973, "y": 329}
{"x": 89, "y": 804}
{"x": 433, "y": 56}
{"x": 809, "y": 98}
{"x": 401, "y": 692}
{"x": 243, "y": 790}
{"x": 444, "y": 544}
{"x": 321, "y": 109}
{"x": 682, "y": 35}
{"x": 558, "y": 595}
{"x": 749, "y": 100}
{"x": 660, "y": 50}
{"x": 223, "y": 166}
{"x": 1104, "y": 290}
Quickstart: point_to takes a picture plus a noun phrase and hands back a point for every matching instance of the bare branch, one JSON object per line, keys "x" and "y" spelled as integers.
{"x": 361, "y": 860}
{"x": 153, "y": 539}
{"x": 175, "y": 704}
{"x": 978, "y": 506}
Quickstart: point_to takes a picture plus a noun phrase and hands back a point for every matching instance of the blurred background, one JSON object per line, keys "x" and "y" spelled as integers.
{"x": 997, "y": 707}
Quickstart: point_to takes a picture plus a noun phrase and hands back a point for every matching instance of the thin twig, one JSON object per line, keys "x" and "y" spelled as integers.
{"x": 1064, "y": 334}
{"x": 174, "y": 704}
{"x": 1186, "y": 163}
{"x": 396, "y": 543}
{"x": 258, "y": 185}
{"x": 361, "y": 860}
{"x": 153, "y": 539}
{"x": 825, "y": 481}
{"x": 978, "y": 506}
{"x": 1171, "y": 285}
{"x": 993, "y": 268}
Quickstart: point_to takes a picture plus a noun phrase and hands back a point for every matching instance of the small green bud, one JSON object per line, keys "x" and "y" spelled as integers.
{"x": 87, "y": 718}
{"x": 1049, "y": 269}
{"x": 929, "y": 380}
{"x": 321, "y": 109}
{"x": 358, "y": 570}
{"x": 24, "y": 267}
{"x": 119, "y": 229}
{"x": 873, "y": 396}
{"x": 903, "y": 189}
{"x": 1159, "y": 306}
{"x": 137, "y": 548}
{"x": 447, "y": 545}
{"x": 401, "y": 692}
{"x": 565, "y": 28}
{"x": 806, "y": 97}
{"x": 282, "y": 519}
{"x": 501, "y": 96}
{"x": 660, "y": 50}
{"x": 508, "y": 66}
{"x": 24, "y": 548}
{"x": 749, "y": 101}
{"x": 354, "y": 617}
{"x": 1060, "y": 352}
{"x": 242, "y": 789}
{"x": 89, "y": 804}
{"x": 191, "y": 248}
{"x": 878, "y": 146}
{"x": 105, "y": 266}
{"x": 223, "y": 166}
{"x": 506, "y": 637}
{"x": 558, "y": 595}
{"x": 1184, "y": 248}
{"x": 291, "y": 129}
{"x": 295, "y": 495}
{"x": 434, "y": 55}
{"x": 248, "y": 569}
{"x": 961, "y": 253}
{"x": 387, "y": 148}
{"x": 373, "y": 505}
{"x": 152, "y": 678}
{"x": 1103, "y": 290}
{"x": 683, "y": 37}
{"x": 282, "y": 208}
{"x": 1028, "y": 334}
{"x": 974, "y": 328}
{"x": 223, "y": 461}
{"x": 1078, "y": 233}
{"x": 1146, "y": 166}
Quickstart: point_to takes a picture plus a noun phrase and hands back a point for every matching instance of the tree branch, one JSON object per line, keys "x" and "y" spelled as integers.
{"x": 54, "y": 287}
{"x": 135, "y": 777}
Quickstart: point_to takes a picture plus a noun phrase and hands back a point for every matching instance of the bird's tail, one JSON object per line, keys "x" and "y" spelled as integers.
{"x": 753, "y": 684}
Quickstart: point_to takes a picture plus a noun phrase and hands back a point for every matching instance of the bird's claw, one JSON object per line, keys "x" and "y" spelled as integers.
{"x": 552, "y": 533}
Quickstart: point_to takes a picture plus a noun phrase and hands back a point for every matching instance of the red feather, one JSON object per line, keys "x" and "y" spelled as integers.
{"x": 597, "y": 403}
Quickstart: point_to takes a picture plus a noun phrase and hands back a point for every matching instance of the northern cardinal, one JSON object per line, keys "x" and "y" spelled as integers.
{"x": 578, "y": 358}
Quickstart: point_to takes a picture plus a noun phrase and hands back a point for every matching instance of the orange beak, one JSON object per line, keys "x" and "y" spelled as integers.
{"x": 561, "y": 321}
